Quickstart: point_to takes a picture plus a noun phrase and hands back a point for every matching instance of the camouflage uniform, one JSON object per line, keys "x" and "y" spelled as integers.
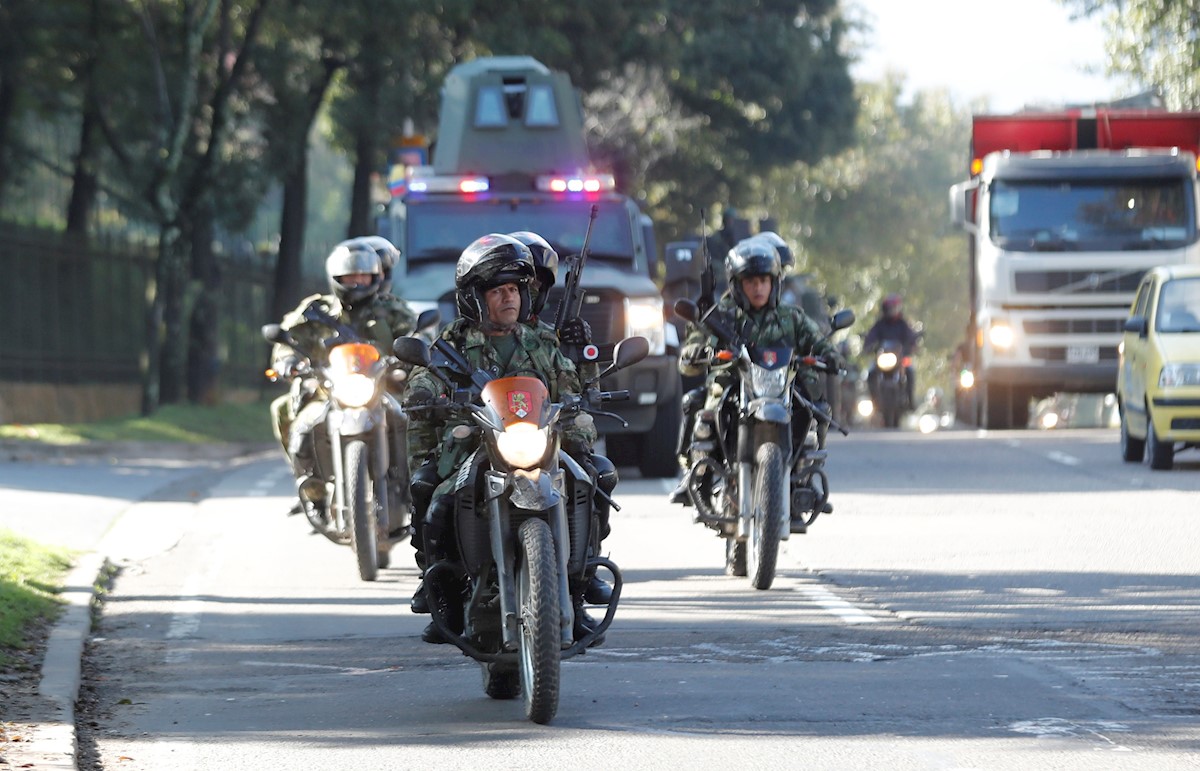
{"x": 379, "y": 321}
{"x": 536, "y": 351}
{"x": 785, "y": 324}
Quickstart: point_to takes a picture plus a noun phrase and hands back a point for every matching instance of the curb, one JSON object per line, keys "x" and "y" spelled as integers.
{"x": 54, "y": 743}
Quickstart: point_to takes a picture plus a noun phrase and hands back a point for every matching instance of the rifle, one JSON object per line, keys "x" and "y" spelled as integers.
{"x": 572, "y": 299}
{"x": 707, "y": 299}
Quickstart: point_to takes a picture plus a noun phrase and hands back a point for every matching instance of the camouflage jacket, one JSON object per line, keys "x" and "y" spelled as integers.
{"x": 537, "y": 351}
{"x": 786, "y": 324}
{"x": 380, "y": 321}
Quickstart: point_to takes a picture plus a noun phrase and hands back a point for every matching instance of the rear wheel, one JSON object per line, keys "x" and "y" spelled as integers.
{"x": 360, "y": 510}
{"x": 769, "y": 516}
{"x": 1132, "y": 449}
{"x": 538, "y": 617}
{"x": 1160, "y": 455}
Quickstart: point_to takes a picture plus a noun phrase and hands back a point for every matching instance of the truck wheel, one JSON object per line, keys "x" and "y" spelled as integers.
{"x": 657, "y": 452}
{"x": 1004, "y": 407}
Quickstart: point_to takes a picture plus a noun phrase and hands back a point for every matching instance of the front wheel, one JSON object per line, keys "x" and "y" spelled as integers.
{"x": 769, "y": 516}
{"x": 1160, "y": 455}
{"x": 538, "y": 620}
{"x": 360, "y": 510}
{"x": 1132, "y": 448}
{"x": 735, "y": 557}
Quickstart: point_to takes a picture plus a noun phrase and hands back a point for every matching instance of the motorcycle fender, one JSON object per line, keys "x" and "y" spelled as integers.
{"x": 357, "y": 420}
{"x": 533, "y": 490}
{"x": 576, "y": 470}
{"x": 770, "y": 411}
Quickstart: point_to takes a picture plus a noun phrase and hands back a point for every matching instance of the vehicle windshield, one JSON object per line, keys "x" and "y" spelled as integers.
{"x": 444, "y": 229}
{"x": 1179, "y": 306}
{"x": 1112, "y": 215}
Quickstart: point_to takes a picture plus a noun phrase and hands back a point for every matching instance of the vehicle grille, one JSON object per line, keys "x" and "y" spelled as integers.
{"x": 1072, "y": 326}
{"x": 1079, "y": 281}
{"x": 603, "y": 310}
{"x": 1059, "y": 352}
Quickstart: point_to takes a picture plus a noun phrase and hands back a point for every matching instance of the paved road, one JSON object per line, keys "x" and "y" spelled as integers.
{"x": 1010, "y": 600}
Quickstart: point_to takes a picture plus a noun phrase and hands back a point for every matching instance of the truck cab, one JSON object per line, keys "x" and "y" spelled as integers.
{"x": 510, "y": 155}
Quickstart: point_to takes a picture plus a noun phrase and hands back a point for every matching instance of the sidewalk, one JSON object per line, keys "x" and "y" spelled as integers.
{"x": 47, "y": 732}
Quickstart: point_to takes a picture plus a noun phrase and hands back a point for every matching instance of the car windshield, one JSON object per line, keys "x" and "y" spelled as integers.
{"x": 443, "y": 229}
{"x": 1179, "y": 306}
{"x": 1119, "y": 215}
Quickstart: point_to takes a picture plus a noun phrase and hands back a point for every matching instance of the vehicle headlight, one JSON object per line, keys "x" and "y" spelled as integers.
{"x": 1001, "y": 336}
{"x": 644, "y": 318}
{"x": 1176, "y": 375}
{"x": 351, "y": 388}
{"x": 966, "y": 379}
{"x": 522, "y": 445}
{"x": 768, "y": 382}
{"x": 886, "y": 361}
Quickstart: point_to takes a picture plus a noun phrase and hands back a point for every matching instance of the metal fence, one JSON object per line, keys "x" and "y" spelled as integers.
{"x": 75, "y": 315}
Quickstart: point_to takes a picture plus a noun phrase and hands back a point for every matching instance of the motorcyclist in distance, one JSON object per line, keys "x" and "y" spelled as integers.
{"x": 752, "y": 307}
{"x": 891, "y": 325}
{"x": 493, "y": 293}
{"x": 355, "y": 276}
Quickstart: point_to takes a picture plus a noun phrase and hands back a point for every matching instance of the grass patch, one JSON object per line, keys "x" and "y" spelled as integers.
{"x": 172, "y": 423}
{"x": 31, "y": 577}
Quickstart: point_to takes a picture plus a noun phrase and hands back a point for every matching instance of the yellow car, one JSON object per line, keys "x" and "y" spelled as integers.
{"x": 1158, "y": 384}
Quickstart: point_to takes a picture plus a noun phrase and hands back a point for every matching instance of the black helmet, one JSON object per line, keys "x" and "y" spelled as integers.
{"x": 545, "y": 266}
{"x": 752, "y": 257}
{"x": 351, "y": 258}
{"x": 389, "y": 255}
{"x": 491, "y": 261}
{"x": 786, "y": 258}
{"x": 892, "y": 306}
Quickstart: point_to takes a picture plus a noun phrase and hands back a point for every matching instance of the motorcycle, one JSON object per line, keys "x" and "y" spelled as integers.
{"x": 358, "y": 438}
{"x": 521, "y": 528}
{"x": 747, "y": 477}
{"x": 889, "y": 383}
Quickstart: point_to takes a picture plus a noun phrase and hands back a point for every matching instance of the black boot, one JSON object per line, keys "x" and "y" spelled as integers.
{"x": 597, "y": 591}
{"x": 585, "y": 624}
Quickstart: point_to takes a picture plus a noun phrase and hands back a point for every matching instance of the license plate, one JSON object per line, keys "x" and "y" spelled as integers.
{"x": 1083, "y": 354}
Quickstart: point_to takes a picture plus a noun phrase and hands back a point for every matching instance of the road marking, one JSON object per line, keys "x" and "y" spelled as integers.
{"x": 1063, "y": 458}
{"x": 837, "y": 606}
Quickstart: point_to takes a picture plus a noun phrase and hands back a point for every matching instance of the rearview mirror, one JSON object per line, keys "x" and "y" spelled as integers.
{"x": 1135, "y": 324}
{"x": 412, "y": 350}
{"x": 842, "y": 319}
{"x": 686, "y": 310}
{"x": 428, "y": 319}
{"x": 629, "y": 351}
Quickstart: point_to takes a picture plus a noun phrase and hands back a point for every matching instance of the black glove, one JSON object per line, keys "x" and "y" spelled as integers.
{"x": 418, "y": 398}
{"x": 575, "y": 331}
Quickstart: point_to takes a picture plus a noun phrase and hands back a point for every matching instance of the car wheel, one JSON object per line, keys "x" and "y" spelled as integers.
{"x": 1160, "y": 455}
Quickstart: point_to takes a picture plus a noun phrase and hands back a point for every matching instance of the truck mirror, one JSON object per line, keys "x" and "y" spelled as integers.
{"x": 412, "y": 350}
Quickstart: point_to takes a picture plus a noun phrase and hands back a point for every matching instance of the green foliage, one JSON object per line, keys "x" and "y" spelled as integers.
{"x": 31, "y": 575}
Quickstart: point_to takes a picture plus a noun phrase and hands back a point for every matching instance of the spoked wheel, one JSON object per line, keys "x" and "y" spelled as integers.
{"x": 767, "y": 522}
{"x": 735, "y": 557}
{"x": 360, "y": 510}
{"x": 538, "y": 617}
{"x": 501, "y": 681}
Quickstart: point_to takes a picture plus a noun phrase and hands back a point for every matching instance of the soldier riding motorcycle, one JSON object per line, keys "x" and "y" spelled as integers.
{"x": 755, "y": 458}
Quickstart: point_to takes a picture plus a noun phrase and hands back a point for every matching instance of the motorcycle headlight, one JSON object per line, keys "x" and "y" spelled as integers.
{"x": 522, "y": 445}
{"x": 351, "y": 388}
{"x": 886, "y": 361}
{"x": 1177, "y": 375}
{"x": 644, "y": 318}
{"x": 768, "y": 382}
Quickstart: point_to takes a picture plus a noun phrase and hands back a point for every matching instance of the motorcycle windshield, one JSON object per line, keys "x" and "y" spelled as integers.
{"x": 354, "y": 358}
{"x": 516, "y": 399}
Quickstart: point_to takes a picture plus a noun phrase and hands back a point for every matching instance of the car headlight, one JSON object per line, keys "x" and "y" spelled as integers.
{"x": 522, "y": 445}
{"x": 1001, "y": 336}
{"x": 886, "y": 361}
{"x": 1177, "y": 375}
{"x": 351, "y": 388}
{"x": 644, "y": 318}
{"x": 768, "y": 382}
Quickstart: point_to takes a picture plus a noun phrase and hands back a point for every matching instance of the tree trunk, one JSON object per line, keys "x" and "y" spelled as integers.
{"x": 361, "y": 210}
{"x": 8, "y": 103}
{"x": 204, "y": 325}
{"x": 83, "y": 181}
{"x": 291, "y": 238}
